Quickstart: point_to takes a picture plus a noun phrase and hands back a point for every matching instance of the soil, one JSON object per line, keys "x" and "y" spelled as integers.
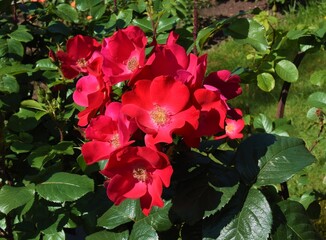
{"x": 228, "y": 8}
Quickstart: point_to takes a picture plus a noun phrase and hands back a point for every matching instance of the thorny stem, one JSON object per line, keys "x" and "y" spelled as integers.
{"x": 318, "y": 136}
{"x": 195, "y": 29}
{"x": 280, "y": 113}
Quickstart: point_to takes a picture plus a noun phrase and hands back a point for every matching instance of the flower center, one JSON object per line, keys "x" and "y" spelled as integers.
{"x": 132, "y": 64}
{"x": 115, "y": 141}
{"x": 82, "y": 63}
{"x": 159, "y": 116}
{"x": 140, "y": 174}
{"x": 229, "y": 128}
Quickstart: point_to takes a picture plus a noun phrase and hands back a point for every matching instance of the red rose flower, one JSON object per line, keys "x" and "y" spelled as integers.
{"x": 78, "y": 56}
{"x": 234, "y": 125}
{"x": 160, "y": 107}
{"x": 138, "y": 172}
{"x": 123, "y": 53}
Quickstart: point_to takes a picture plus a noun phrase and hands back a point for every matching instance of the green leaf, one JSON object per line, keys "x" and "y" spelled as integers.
{"x": 144, "y": 23}
{"x": 3, "y": 47}
{"x": 263, "y": 122}
{"x": 22, "y": 121}
{"x": 248, "y": 31}
{"x": 67, "y": 12}
{"x": 14, "y": 197}
{"x": 117, "y": 215}
{"x": 97, "y": 11}
{"x": 318, "y": 78}
{"x": 317, "y": 99}
{"x": 249, "y": 152}
{"x": 166, "y": 24}
{"x": 15, "y": 47}
{"x": 64, "y": 147}
{"x": 266, "y": 81}
{"x": 125, "y": 16}
{"x": 16, "y": 69}
{"x": 21, "y": 35}
{"x": 38, "y": 156}
{"x": 282, "y": 160}
{"x": 108, "y": 235}
{"x": 159, "y": 217}
{"x": 55, "y": 236}
{"x": 253, "y": 222}
{"x": 8, "y": 84}
{"x": 312, "y": 114}
{"x": 21, "y": 147}
{"x": 46, "y": 64}
{"x": 30, "y": 103}
{"x": 294, "y": 34}
{"x": 143, "y": 231}
{"x": 293, "y": 223}
{"x": 84, "y": 5}
{"x": 287, "y": 71}
{"x": 61, "y": 187}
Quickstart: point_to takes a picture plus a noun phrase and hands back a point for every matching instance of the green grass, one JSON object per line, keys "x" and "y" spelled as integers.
{"x": 230, "y": 55}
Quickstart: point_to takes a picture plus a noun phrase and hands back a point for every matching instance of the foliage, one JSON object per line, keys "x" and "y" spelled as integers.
{"x": 223, "y": 189}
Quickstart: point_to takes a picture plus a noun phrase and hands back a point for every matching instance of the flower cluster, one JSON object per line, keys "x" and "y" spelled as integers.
{"x": 164, "y": 94}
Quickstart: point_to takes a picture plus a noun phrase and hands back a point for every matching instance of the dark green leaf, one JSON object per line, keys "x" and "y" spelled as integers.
{"x": 102, "y": 235}
{"x": 61, "y": 187}
{"x": 38, "y": 156}
{"x": 16, "y": 69}
{"x": 166, "y": 24}
{"x": 3, "y": 47}
{"x": 21, "y": 147}
{"x": 59, "y": 27}
{"x": 158, "y": 217}
{"x": 143, "y": 231}
{"x": 144, "y": 24}
{"x": 22, "y": 121}
{"x": 67, "y": 12}
{"x": 248, "y": 31}
{"x": 64, "y": 147}
{"x": 8, "y": 84}
{"x": 287, "y": 71}
{"x": 248, "y": 153}
{"x": 126, "y": 16}
{"x": 83, "y": 5}
{"x": 293, "y": 223}
{"x": 117, "y": 215}
{"x": 55, "y": 236}
{"x": 253, "y": 222}
{"x": 317, "y": 99}
{"x": 266, "y": 81}
{"x": 46, "y": 64}
{"x": 282, "y": 160}
{"x": 294, "y": 34}
{"x": 97, "y": 11}
{"x": 14, "y": 197}
{"x": 263, "y": 122}
{"x": 15, "y": 47}
{"x": 21, "y": 35}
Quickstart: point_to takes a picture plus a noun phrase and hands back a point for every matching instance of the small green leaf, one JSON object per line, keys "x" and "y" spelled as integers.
{"x": 143, "y": 231}
{"x": 8, "y": 84}
{"x": 317, "y": 99}
{"x": 266, "y": 81}
{"x": 108, "y": 235}
{"x": 287, "y": 71}
{"x": 166, "y": 24}
{"x": 21, "y": 35}
{"x": 263, "y": 122}
{"x": 64, "y": 147}
{"x": 294, "y": 34}
{"x": 285, "y": 157}
{"x": 21, "y": 147}
{"x": 22, "y": 121}
{"x": 14, "y": 197}
{"x": 293, "y": 223}
{"x": 144, "y": 23}
{"x": 97, "y": 11}
{"x": 30, "y": 103}
{"x": 46, "y": 64}
{"x": 117, "y": 215}
{"x": 55, "y": 236}
{"x": 312, "y": 114}
{"x": 61, "y": 187}
{"x": 67, "y": 12}
{"x": 253, "y": 222}
{"x": 125, "y": 16}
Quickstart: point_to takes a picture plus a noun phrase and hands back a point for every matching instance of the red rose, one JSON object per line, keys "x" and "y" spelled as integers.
{"x": 138, "y": 172}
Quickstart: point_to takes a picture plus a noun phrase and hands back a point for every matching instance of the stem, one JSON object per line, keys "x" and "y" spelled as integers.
{"x": 318, "y": 136}
{"x": 280, "y": 113}
{"x": 195, "y": 29}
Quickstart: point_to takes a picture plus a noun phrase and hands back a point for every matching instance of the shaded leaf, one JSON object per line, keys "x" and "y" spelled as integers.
{"x": 293, "y": 223}
{"x": 283, "y": 159}
{"x": 61, "y": 187}
{"x": 14, "y": 197}
{"x": 30, "y": 103}
{"x": 263, "y": 122}
{"x": 248, "y": 31}
{"x": 287, "y": 71}
{"x": 15, "y": 47}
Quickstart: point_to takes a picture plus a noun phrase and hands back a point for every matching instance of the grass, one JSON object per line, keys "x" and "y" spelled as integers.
{"x": 230, "y": 55}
